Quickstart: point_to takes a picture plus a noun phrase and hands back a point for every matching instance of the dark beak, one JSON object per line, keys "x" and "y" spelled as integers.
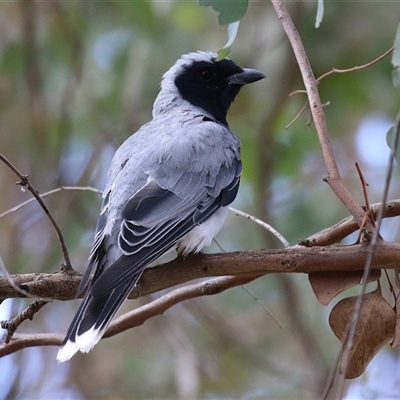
{"x": 246, "y": 76}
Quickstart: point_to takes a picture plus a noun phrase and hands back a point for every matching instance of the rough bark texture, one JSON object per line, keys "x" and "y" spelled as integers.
{"x": 62, "y": 286}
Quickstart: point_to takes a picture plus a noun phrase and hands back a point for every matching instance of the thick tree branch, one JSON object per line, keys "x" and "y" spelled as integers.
{"x": 246, "y": 266}
{"x": 294, "y": 259}
{"x": 342, "y": 229}
{"x": 138, "y": 316}
{"x": 21, "y": 341}
{"x": 159, "y": 306}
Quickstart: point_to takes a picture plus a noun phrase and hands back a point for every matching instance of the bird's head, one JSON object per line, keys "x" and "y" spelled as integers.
{"x": 204, "y": 82}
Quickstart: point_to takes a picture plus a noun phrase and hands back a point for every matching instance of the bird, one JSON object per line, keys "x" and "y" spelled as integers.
{"x": 169, "y": 187}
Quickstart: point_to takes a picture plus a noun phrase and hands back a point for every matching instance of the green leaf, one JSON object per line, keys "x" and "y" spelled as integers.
{"x": 229, "y": 11}
{"x": 396, "y": 60}
{"x": 391, "y": 140}
{"x": 320, "y": 13}
{"x": 223, "y": 53}
{"x": 232, "y": 33}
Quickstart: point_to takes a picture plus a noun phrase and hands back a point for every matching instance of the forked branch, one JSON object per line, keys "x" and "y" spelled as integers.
{"x": 333, "y": 178}
{"x": 25, "y": 184}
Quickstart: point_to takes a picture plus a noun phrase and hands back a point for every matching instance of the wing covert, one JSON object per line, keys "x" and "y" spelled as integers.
{"x": 156, "y": 218}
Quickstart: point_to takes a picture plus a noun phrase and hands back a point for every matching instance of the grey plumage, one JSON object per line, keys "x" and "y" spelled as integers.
{"x": 168, "y": 187}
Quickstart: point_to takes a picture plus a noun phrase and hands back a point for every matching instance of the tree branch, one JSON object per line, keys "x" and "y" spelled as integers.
{"x": 245, "y": 266}
{"x": 12, "y": 325}
{"x": 333, "y": 178}
{"x": 356, "y": 68}
{"x": 50, "y": 192}
{"x": 138, "y": 316}
{"x": 21, "y": 341}
{"x": 24, "y": 183}
{"x": 294, "y": 259}
{"x": 342, "y": 229}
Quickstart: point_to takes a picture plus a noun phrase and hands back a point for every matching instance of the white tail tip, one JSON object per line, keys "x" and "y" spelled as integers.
{"x": 83, "y": 343}
{"x": 67, "y": 351}
{"x": 89, "y": 339}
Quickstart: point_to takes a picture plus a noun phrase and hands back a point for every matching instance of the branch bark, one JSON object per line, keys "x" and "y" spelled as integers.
{"x": 245, "y": 266}
{"x": 342, "y": 229}
{"x": 137, "y": 316}
{"x": 61, "y": 286}
{"x": 22, "y": 341}
{"x": 333, "y": 178}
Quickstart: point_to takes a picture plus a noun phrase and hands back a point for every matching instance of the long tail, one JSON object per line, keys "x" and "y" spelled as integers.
{"x": 92, "y": 319}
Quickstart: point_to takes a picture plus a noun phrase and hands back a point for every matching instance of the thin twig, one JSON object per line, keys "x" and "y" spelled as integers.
{"x": 364, "y": 185}
{"x": 262, "y": 305}
{"x": 50, "y": 192}
{"x": 253, "y": 296}
{"x": 298, "y": 91}
{"x": 368, "y": 214}
{"x": 24, "y": 183}
{"x": 12, "y": 324}
{"x": 356, "y": 68}
{"x": 337, "y": 71}
{"x": 297, "y": 116}
{"x": 310, "y": 83}
{"x": 265, "y": 225}
{"x": 371, "y": 250}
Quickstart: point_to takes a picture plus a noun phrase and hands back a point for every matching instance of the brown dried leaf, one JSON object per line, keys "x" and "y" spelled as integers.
{"x": 327, "y": 285}
{"x": 375, "y": 328}
{"x": 396, "y": 340}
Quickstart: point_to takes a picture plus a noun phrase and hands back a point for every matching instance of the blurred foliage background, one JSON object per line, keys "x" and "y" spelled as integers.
{"x": 77, "y": 78}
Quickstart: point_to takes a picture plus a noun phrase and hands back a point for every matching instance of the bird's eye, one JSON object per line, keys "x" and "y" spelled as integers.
{"x": 206, "y": 74}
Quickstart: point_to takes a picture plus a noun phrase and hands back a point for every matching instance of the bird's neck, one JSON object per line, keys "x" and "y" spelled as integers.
{"x": 173, "y": 104}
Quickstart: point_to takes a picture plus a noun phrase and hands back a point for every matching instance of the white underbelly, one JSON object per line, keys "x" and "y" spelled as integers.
{"x": 202, "y": 235}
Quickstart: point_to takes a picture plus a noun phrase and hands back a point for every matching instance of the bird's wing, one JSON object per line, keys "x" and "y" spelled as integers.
{"x": 155, "y": 218}
{"x": 96, "y": 251}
